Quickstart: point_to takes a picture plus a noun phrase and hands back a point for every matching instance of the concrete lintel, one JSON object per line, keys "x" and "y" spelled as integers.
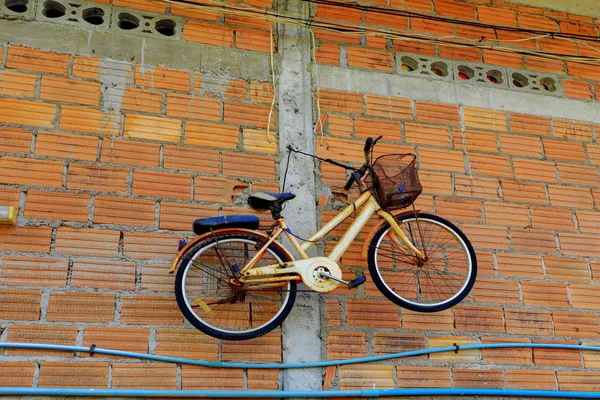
{"x": 119, "y": 46}
{"x": 454, "y": 92}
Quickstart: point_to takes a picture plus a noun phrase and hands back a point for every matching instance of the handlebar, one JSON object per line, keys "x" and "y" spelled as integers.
{"x": 358, "y": 174}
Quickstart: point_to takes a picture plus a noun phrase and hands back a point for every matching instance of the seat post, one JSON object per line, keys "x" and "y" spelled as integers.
{"x": 276, "y": 211}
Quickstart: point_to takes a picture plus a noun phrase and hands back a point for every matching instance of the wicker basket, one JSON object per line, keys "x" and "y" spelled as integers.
{"x": 394, "y": 181}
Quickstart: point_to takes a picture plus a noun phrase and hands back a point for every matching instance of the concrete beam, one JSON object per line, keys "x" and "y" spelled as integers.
{"x": 455, "y": 92}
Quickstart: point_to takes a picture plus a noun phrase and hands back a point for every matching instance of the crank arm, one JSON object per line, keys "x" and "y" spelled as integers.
{"x": 351, "y": 285}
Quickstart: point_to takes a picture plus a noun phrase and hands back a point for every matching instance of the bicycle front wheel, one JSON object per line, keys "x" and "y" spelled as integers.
{"x": 440, "y": 281}
{"x": 213, "y": 301}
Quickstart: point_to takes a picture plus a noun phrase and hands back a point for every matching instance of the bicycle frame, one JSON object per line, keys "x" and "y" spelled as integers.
{"x": 295, "y": 270}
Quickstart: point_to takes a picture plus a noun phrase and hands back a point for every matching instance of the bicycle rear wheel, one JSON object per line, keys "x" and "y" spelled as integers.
{"x": 440, "y": 282}
{"x": 211, "y": 299}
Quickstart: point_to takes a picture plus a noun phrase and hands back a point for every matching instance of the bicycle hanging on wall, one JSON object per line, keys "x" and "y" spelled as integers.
{"x": 234, "y": 282}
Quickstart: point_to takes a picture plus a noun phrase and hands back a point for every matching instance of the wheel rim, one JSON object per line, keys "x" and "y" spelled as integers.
{"x": 217, "y": 303}
{"x": 438, "y": 281}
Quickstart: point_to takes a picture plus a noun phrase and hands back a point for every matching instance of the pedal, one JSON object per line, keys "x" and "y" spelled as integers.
{"x": 357, "y": 282}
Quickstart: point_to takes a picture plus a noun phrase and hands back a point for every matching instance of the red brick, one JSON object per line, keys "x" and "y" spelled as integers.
{"x": 187, "y": 10}
{"x": 73, "y": 375}
{"x": 115, "y": 275}
{"x": 248, "y": 114}
{"x": 487, "y": 237}
{"x": 33, "y": 271}
{"x": 130, "y": 153}
{"x": 436, "y": 183}
{"x": 97, "y": 178}
{"x": 186, "y": 343}
{"x": 504, "y": 59}
{"x": 520, "y": 266}
{"x": 388, "y": 107}
{"x": 339, "y": 13}
{"x": 551, "y": 45}
{"x": 123, "y": 211}
{"x": 593, "y": 151}
{"x": 328, "y": 53}
{"x": 529, "y": 124}
{"x": 31, "y": 172}
{"x": 199, "y": 378}
{"x": 371, "y": 127}
{"x": 478, "y": 378}
{"x": 263, "y": 379}
{"x": 87, "y": 242}
{"x": 186, "y": 159}
{"x": 483, "y": 164}
{"x": 437, "y": 113}
{"x": 389, "y": 20}
{"x": 588, "y": 222}
{"x": 580, "y": 325}
{"x": 81, "y": 119}
{"x": 150, "y": 309}
{"x": 206, "y": 33}
{"x": 575, "y": 381}
{"x": 521, "y": 379}
{"x": 552, "y": 218}
{"x": 15, "y": 140}
{"x": 524, "y": 39}
{"x": 584, "y": 71}
{"x": 116, "y": 338}
{"x": 532, "y": 193}
{"x": 26, "y": 239}
{"x": 62, "y": 145}
{"x": 162, "y": 184}
{"x": 423, "y": 377}
{"x": 567, "y": 269}
{"x": 460, "y": 53}
{"x": 30, "y": 113}
{"x": 427, "y": 134}
{"x": 413, "y": 5}
{"x": 257, "y": 140}
{"x": 578, "y": 174}
{"x": 476, "y": 187}
{"x": 371, "y": 59}
{"x": 542, "y": 64}
{"x": 152, "y": 128}
{"x": 48, "y": 334}
{"x": 17, "y": 374}
{"x": 218, "y": 190}
{"x": 211, "y": 135}
{"x": 431, "y": 27}
{"x": 242, "y": 20}
{"x": 563, "y": 150}
{"x": 355, "y": 377}
{"x": 345, "y": 345}
{"x": 144, "y": 376}
{"x": 528, "y": 321}
{"x": 86, "y": 68}
{"x": 248, "y": 39}
{"x": 17, "y": 84}
{"x": 438, "y": 321}
{"x": 57, "y": 206}
{"x": 464, "y": 356}
{"x": 443, "y": 160}
{"x": 359, "y": 313}
{"x": 584, "y": 297}
{"x": 20, "y": 304}
{"x": 391, "y": 342}
{"x": 459, "y": 210}
{"x": 537, "y": 22}
{"x": 506, "y": 214}
{"x": 269, "y": 344}
{"x": 179, "y": 217}
{"x": 150, "y": 245}
{"x": 535, "y": 170}
{"x": 545, "y": 294}
{"x": 336, "y": 37}
{"x": 36, "y": 60}
{"x": 494, "y": 290}
{"x": 140, "y": 100}
{"x": 417, "y": 47}
{"x": 251, "y": 166}
{"x": 336, "y": 101}
{"x": 81, "y": 307}
{"x": 481, "y": 118}
{"x": 497, "y": 16}
{"x": 520, "y": 356}
{"x": 582, "y": 245}
{"x": 577, "y": 89}
{"x": 70, "y": 91}
{"x": 478, "y": 319}
{"x": 156, "y": 277}
{"x": 571, "y": 197}
{"x": 520, "y": 145}
{"x": 163, "y": 78}
{"x": 531, "y": 240}
{"x": 574, "y": 130}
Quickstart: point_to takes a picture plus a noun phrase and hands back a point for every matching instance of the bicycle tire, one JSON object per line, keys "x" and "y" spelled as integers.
{"x": 441, "y": 282}
{"x": 214, "y": 306}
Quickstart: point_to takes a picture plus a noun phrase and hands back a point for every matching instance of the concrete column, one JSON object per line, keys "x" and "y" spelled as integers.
{"x": 301, "y": 341}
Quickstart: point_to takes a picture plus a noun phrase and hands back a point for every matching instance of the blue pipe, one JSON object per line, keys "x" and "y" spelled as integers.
{"x": 320, "y": 364}
{"x": 373, "y": 393}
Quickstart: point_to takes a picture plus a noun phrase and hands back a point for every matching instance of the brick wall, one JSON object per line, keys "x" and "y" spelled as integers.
{"x": 110, "y": 160}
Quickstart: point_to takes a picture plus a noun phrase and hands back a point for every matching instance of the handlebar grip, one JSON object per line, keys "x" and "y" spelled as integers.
{"x": 368, "y": 144}
{"x": 349, "y": 183}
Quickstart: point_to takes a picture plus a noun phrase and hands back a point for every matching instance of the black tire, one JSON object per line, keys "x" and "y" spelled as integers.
{"x": 441, "y": 282}
{"x": 234, "y": 312}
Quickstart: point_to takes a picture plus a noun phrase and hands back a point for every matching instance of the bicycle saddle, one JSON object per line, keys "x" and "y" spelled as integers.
{"x": 263, "y": 201}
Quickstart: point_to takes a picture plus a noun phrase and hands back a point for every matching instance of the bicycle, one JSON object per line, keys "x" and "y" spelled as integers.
{"x": 236, "y": 283}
